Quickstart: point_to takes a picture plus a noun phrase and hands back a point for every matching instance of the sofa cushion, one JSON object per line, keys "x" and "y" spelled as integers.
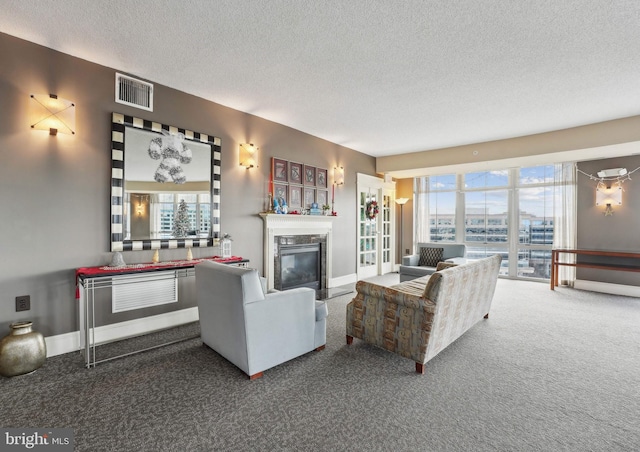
{"x": 443, "y": 265}
{"x": 413, "y": 286}
{"x": 429, "y": 257}
{"x": 433, "y": 287}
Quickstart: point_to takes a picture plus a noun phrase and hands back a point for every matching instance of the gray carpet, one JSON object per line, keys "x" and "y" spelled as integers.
{"x": 548, "y": 371}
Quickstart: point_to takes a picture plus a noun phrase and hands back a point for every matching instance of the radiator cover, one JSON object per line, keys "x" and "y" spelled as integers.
{"x": 143, "y": 291}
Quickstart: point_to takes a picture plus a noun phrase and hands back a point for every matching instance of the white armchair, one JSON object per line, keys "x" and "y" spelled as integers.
{"x": 253, "y": 330}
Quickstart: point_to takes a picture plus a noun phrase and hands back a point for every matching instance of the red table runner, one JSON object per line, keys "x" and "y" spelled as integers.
{"x": 105, "y": 270}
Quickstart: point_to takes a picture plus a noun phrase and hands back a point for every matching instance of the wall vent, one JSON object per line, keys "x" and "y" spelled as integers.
{"x": 146, "y": 291}
{"x": 133, "y": 92}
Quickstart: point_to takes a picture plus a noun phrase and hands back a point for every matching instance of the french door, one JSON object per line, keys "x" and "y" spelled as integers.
{"x": 376, "y": 230}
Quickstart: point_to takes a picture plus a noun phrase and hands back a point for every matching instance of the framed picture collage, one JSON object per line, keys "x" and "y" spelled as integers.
{"x": 298, "y": 184}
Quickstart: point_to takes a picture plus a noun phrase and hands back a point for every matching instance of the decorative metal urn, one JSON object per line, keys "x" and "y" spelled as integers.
{"x": 22, "y": 351}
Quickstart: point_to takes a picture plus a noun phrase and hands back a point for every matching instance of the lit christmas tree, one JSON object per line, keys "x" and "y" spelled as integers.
{"x": 181, "y": 223}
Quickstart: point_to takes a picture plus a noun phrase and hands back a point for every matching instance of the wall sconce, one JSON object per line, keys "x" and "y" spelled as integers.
{"x": 142, "y": 200}
{"x": 248, "y": 155}
{"x": 612, "y": 172}
{"x": 49, "y": 112}
{"x": 608, "y": 196}
{"x": 338, "y": 175}
{"x": 338, "y": 179}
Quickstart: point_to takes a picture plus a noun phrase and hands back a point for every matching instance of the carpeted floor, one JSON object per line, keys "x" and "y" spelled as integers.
{"x": 548, "y": 371}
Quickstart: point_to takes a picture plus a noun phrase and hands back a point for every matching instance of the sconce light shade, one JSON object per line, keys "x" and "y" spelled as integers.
{"x": 402, "y": 201}
{"x": 248, "y": 155}
{"x": 52, "y": 113}
{"x": 608, "y": 196}
{"x": 612, "y": 172}
{"x": 338, "y": 175}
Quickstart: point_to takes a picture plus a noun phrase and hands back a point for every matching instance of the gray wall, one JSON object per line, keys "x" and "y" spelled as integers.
{"x": 54, "y": 191}
{"x": 618, "y": 232}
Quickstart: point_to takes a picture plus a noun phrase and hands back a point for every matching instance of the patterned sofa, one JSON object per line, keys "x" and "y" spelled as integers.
{"x": 418, "y": 319}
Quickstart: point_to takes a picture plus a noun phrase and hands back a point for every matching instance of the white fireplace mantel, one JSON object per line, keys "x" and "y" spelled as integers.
{"x": 277, "y": 225}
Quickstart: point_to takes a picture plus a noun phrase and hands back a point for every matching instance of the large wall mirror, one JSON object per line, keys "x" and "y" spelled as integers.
{"x": 165, "y": 186}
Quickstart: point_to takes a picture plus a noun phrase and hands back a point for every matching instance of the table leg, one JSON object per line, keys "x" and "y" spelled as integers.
{"x": 553, "y": 269}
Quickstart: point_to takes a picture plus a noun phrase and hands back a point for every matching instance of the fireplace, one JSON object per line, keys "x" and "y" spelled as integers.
{"x": 300, "y": 266}
{"x": 282, "y": 231}
{"x": 299, "y": 261}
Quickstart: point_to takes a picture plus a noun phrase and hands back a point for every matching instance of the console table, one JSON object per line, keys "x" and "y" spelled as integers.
{"x": 90, "y": 279}
{"x": 555, "y": 262}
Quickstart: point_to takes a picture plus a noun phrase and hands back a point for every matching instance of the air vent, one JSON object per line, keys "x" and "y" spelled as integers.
{"x": 134, "y": 92}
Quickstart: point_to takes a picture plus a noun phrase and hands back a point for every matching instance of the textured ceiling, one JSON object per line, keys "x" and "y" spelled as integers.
{"x": 380, "y": 77}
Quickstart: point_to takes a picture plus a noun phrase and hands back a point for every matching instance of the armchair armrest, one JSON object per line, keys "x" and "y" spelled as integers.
{"x": 281, "y": 315}
{"x": 280, "y": 327}
{"x": 412, "y": 259}
{"x": 391, "y": 295}
{"x": 457, "y": 260}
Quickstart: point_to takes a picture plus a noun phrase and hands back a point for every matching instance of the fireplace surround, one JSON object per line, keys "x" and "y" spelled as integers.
{"x": 297, "y": 230}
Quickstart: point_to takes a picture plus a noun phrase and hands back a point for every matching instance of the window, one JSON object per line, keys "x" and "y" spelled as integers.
{"x": 442, "y": 212}
{"x": 485, "y": 204}
{"x": 486, "y": 179}
{"x": 436, "y": 199}
{"x": 486, "y": 216}
{"x": 536, "y": 201}
{"x": 198, "y": 212}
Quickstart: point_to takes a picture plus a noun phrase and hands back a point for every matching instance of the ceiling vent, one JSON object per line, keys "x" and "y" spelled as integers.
{"x": 134, "y": 92}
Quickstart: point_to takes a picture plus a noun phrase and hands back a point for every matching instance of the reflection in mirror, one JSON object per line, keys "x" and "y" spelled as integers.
{"x": 165, "y": 186}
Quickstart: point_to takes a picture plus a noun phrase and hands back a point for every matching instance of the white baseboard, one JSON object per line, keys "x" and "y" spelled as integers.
{"x": 70, "y": 342}
{"x": 343, "y": 280}
{"x": 615, "y": 289}
{"x": 62, "y": 343}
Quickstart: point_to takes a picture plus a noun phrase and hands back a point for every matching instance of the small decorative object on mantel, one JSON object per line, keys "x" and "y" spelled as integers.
{"x": 225, "y": 245}
{"x": 22, "y": 351}
{"x": 314, "y": 209}
{"x": 372, "y": 210}
{"x": 156, "y": 257}
{"x": 117, "y": 260}
{"x": 326, "y": 209}
{"x": 280, "y": 206}
{"x": 270, "y": 203}
{"x": 189, "y": 254}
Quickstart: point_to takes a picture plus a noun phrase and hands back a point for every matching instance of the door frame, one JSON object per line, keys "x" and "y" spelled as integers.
{"x": 369, "y": 183}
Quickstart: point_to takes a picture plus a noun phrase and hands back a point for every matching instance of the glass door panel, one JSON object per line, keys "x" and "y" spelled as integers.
{"x": 368, "y": 240}
{"x": 475, "y": 252}
{"x": 534, "y": 263}
{"x": 535, "y": 232}
{"x": 386, "y": 257}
